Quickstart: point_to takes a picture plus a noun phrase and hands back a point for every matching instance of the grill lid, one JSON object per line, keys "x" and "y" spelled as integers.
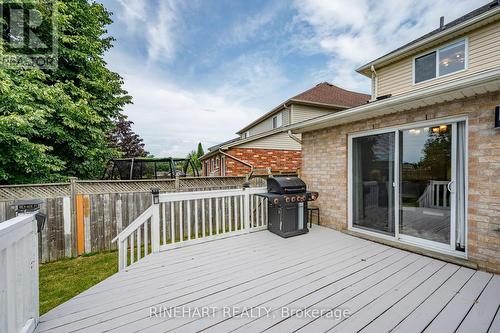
{"x": 285, "y": 184}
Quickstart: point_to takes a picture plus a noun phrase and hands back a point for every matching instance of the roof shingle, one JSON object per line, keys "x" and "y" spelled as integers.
{"x": 327, "y": 93}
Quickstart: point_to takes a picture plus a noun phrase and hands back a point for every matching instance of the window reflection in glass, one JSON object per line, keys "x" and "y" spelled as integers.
{"x": 452, "y": 58}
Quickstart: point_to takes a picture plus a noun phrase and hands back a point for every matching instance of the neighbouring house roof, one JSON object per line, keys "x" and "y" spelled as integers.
{"x": 327, "y": 93}
{"x": 470, "y": 18}
{"x": 324, "y": 94}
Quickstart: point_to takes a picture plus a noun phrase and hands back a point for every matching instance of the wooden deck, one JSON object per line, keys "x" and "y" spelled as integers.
{"x": 216, "y": 284}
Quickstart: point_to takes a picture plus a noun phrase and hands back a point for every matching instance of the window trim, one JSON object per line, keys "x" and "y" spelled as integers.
{"x": 465, "y": 40}
{"x": 278, "y": 124}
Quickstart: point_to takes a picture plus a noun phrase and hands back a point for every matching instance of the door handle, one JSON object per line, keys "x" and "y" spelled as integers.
{"x": 449, "y": 186}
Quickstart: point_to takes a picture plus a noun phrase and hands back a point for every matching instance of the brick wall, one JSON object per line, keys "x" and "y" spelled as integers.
{"x": 324, "y": 169}
{"x": 277, "y": 160}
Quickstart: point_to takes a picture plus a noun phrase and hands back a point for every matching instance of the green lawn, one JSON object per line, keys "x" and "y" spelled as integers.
{"x": 64, "y": 279}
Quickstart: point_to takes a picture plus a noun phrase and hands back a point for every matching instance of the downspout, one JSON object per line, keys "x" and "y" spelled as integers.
{"x": 374, "y": 83}
{"x": 294, "y": 137}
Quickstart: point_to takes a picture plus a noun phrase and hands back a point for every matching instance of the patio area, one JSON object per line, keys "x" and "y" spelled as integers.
{"x": 259, "y": 282}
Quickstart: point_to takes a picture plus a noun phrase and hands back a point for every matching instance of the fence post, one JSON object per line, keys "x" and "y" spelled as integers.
{"x": 177, "y": 183}
{"x": 72, "y": 188}
{"x": 155, "y": 220}
{"x": 246, "y": 210}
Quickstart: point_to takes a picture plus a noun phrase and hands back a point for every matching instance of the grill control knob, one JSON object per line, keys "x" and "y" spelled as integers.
{"x": 303, "y": 198}
{"x": 276, "y": 201}
{"x": 287, "y": 199}
{"x": 293, "y": 199}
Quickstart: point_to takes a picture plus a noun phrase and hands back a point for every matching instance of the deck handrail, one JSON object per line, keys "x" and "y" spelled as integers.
{"x": 19, "y": 274}
{"x": 172, "y": 223}
{"x": 435, "y": 195}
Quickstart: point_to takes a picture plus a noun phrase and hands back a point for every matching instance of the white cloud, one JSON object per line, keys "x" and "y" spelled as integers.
{"x": 158, "y": 25}
{"x": 353, "y": 32}
{"x": 132, "y": 12}
{"x": 161, "y": 32}
{"x": 172, "y": 120}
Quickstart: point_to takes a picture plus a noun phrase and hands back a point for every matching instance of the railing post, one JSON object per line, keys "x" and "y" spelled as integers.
{"x": 155, "y": 220}
{"x": 121, "y": 263}
{"x": 246, "y": 210}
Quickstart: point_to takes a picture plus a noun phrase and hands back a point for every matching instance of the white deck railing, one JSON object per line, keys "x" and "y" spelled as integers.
{"x": 185, "y": 218}
{"x": 435, "y": 195}
{"x": 19, "y": 274}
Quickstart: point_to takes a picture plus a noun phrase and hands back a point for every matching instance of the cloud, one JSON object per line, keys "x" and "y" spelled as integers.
{"x": 132, "y": 12}
{"x": 173, "y": 120}
{"x": 158, "y": 24}
{"x": 353, "y": 32}
{"x": 252, "y": 27}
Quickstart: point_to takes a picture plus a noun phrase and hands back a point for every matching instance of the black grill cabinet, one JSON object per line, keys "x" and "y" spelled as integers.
{"x": 287, "y": 205}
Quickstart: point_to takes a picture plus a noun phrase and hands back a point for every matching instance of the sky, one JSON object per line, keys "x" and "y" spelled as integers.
{"x": 200, "y": 70}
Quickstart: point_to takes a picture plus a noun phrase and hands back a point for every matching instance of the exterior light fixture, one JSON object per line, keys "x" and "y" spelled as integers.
{"x": 156, "y": 195}
{"x": 31, "y": 206}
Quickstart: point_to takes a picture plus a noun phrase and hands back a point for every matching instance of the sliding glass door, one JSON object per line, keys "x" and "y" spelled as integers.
{"x": 373, "y": 178}
{"x": 409, "y": 183}
{"x": 425, "y": 180}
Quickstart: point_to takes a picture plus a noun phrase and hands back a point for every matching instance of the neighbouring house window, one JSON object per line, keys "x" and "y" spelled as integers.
{"x": 278, "y": 120}
{"x": 207, "y": 168}
{"x": 217, "y": 162}
{"x": 440, "y": 62}
{"x": 246, "y": 134}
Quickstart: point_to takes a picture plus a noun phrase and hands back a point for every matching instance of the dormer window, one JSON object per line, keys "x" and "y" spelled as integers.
{"x": 440, "y": 62}
{"x": 278, "y": 120}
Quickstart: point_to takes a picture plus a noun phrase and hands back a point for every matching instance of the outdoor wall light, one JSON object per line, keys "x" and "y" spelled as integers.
{"x": 31, "y": 206}
{"x": 156, "y": 195}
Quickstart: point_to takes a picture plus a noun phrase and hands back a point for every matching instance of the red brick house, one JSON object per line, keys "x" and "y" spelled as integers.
{"x": 266, "y": 143}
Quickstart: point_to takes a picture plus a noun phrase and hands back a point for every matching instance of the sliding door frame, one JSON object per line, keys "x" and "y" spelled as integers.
{"x": 431, "y": 245}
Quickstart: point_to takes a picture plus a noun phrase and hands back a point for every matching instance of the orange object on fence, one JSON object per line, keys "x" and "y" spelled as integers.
{"x": 80, "y": 231}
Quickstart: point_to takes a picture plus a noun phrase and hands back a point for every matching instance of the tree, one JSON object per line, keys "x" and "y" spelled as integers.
{"x": 126, "y": 141}
{"x": 194, "y": 156}
{"x": 56, "y": 123}
{"x": 200, "y": 152}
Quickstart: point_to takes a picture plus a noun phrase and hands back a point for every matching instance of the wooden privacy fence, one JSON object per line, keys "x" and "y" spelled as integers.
{"x": 180, "y": 219}
{"x": 84, "y": 216}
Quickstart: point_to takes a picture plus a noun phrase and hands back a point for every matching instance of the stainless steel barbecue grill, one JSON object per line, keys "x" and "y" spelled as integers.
{"x": 287, "y": 205}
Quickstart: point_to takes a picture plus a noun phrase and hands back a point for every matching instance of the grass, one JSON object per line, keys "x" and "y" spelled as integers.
{"x": 64, "y": 279}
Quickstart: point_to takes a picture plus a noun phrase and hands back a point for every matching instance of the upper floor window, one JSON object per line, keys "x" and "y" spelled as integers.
{"x": 246, "y": 134}
{"x": 278, "y": 120}
{"x": 440, "y": 62}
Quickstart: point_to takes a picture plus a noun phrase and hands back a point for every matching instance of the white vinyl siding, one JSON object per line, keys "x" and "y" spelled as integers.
{"x": 483, "y": 54}
{"x": 267, "y": 124}
{"x": 304, "y": 112}
{"x": 276, "y": 141}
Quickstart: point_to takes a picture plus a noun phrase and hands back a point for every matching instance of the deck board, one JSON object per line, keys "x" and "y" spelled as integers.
{"x": 382, "y": 287}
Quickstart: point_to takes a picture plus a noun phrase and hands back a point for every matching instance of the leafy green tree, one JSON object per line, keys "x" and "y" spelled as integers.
{"x": 57, "y": 123}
